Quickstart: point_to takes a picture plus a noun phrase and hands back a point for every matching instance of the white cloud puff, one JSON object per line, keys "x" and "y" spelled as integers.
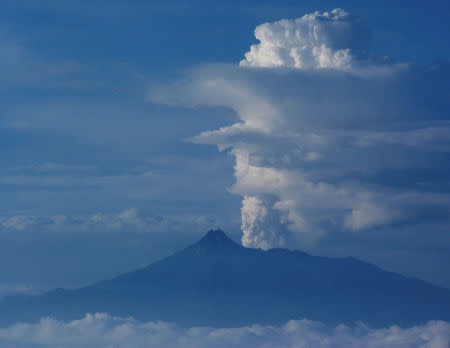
{"x": 332, "y": 39}
{"x": 101, "y": 331}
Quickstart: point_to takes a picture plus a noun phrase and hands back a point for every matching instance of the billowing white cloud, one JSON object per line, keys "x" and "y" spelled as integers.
{"x": 325, "y": 150}
{"x": 332, "y": 39}
{"x": 101, "y": 330}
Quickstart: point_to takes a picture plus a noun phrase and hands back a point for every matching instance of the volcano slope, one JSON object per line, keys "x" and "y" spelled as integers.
{"x": 216, "y": 282}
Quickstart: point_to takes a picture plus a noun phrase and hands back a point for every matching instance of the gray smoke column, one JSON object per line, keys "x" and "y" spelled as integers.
{"x": 329, "y": 139}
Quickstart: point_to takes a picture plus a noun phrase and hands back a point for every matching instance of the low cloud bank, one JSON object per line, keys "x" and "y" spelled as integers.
{"x": 127, "y": 220}
{"x": 101, "y": 330}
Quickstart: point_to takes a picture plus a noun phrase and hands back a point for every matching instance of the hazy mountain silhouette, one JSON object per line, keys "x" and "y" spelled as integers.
{"x": 217, "y": 282}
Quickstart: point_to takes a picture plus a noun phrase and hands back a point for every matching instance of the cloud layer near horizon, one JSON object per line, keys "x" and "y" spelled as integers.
{"x": 101, "y": 330}
{"x": 327, "y": 148}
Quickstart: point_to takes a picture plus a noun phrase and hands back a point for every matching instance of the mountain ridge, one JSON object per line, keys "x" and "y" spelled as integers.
{"x": 217, "y": 282}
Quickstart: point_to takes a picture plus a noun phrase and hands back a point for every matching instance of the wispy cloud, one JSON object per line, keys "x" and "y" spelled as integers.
{"x": 14, "y": 289}
{"x": 21, "y": 67}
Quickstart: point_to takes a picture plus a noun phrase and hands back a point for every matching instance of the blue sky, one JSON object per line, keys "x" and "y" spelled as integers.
{"x": 98, "y": 176}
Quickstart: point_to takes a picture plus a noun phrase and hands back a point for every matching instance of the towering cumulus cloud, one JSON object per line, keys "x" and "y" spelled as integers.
{"x": 319, "y": 40}
{"x": 329, "y": 141}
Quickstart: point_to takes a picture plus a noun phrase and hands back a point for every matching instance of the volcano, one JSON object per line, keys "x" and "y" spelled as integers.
{"x": 217, "y": 282}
